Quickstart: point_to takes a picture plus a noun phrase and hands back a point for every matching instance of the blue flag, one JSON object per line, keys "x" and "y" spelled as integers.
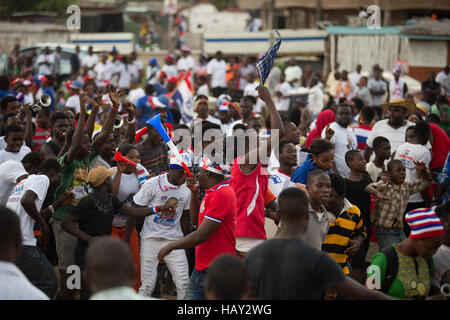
{"x": 265, "y": 64}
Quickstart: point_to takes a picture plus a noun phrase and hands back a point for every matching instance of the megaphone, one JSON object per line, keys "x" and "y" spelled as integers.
{"x": 155, "y": 122}
{"x": 119, "y": 157}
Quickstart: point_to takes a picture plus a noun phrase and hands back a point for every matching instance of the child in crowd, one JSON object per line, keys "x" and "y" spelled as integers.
{"x": 362, "y": 131}
{"x": 347, "y": 230}
{"x": 387, "y": 215}
{"x": 318, "y": 188}
{"x": 358, "y": 191}
{"x": 321, "y": 157}
{"x": 382, "y": 150}
{"x": 15, "y": 150}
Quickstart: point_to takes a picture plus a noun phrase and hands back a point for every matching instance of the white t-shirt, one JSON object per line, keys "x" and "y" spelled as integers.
{"x": 170, "y": 71}
{"x": 281, "y": 103}
{"x": 277, "y": 180}
{"x": 135, "y": 94}
{"x": 250, "y": 90}
{"x": 74, "y": 102}
{"x": 102, "y": 72}
{"x": 28, "y": 98}
{"x": 90, "y": 61}
{"x": 129, "y": 184}
{"x": 396, "y": 89}
{"x": 18, "y": 156}
{"x": 376, "y": 85}
{"x": 3, "y": 143}
{"x": 344, "y": 139}
{"x": 217, "y": 70}
{"x": 43, "y": 68}
{"x": 10, "y": 171}
{"x": 125, "y": 76}
{"x": 408, "y": 153}
{"x": 441, "y": 260}
{"x": 39, "y": 185}
{"x": 395, "y": 136}
{"x": 185, "y": 63}
{"x": 444, "y": 80}
{"x": 354, "y": 78}
{"x": 315, "y": 100}
{"x": 155, "y": 192}
{"x": 203, "y": 90}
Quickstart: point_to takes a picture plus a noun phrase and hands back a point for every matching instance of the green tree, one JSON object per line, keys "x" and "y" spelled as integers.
{"x": 223, "y": 4}
{"x": 8, "y": 7}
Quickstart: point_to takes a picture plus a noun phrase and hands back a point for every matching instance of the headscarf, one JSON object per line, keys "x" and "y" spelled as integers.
{"x": 323, "y": 119}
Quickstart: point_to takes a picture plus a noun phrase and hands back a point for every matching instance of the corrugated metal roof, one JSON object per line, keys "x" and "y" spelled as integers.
{"x": 390, "y": 30}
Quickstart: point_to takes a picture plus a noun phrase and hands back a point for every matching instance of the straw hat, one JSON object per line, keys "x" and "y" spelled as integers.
{"x": 409, "y": 106}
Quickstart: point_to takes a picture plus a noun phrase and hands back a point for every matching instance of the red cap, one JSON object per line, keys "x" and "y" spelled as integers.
{"x": 87, "y": 77}
{"x": 67, "y": 84}
{"x": 169, "y": 58}
{"x": 16, "y": 80}
{"x": 172, "y": 79}
{"x": 43, "y": 78}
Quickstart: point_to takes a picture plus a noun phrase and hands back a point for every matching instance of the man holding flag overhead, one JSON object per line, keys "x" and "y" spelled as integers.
{"x": 249, "y": 178}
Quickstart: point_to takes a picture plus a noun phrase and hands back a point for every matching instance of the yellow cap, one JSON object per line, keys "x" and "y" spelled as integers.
{"x": 98, "y": 175}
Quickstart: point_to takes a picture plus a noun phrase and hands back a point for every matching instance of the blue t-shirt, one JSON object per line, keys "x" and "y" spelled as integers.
{"x": 4, "y": 93}
{"x": 146, "y": 109}
{"x": 159, "y": 89}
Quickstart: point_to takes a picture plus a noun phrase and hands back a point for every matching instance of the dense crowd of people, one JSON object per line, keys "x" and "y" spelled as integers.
{"x": 320, "y": 180}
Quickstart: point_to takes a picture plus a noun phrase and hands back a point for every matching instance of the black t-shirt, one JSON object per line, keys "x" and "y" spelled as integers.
{"x": 290, "y": 269}
{"x": 357, "y": 196}
{"x": 95, "y": 217}
{"x": 428, "y": 86}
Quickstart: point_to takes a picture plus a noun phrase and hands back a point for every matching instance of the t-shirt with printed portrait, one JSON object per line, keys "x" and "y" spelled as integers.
{"x": 158, "y": 191}
{"x": 73, "y": 177}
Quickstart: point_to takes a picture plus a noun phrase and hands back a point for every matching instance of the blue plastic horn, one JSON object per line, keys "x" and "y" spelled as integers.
{"x": 155, "y": 122}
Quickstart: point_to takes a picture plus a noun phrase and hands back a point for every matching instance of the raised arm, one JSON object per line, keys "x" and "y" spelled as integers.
{"x": 77, "y": 136}
{"x": 275, "y": 124}
{"x": 90, "y": 124}
{"x": 116, "y": 99}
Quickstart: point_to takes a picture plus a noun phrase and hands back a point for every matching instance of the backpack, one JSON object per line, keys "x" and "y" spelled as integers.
{"x": 391, "y": 268}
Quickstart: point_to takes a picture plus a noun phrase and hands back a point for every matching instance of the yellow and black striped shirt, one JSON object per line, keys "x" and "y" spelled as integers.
{"x": 346, "y": 226}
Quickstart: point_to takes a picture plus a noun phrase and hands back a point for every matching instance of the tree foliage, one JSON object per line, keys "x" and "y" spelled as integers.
{"x": 8, "y": 7}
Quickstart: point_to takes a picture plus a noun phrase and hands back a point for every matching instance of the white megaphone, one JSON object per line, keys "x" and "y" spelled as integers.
{"x": 155, "y": 122}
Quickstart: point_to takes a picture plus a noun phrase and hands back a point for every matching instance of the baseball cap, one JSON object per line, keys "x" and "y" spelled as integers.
{"x": 98, "y": 175}
{"x": 176, "y": 164}
{"x": 76, "y": 85}
{"x": 172, "y": 79}
{"x": 170, "y": 58}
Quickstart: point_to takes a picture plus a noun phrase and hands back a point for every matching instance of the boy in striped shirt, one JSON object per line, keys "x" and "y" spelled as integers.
{"x": 347, "y": 230}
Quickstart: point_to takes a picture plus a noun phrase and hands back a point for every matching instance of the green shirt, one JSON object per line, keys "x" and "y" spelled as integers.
{"x": 436, "y": 111}
{"x": 72, "y": 175}
{"x": 408, "y": 284}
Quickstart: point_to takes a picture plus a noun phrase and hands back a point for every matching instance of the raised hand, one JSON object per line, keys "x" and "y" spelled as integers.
{"x": 419, "y": 165}
{"x": 116, "y": 97}
{"x": 83, "y": 101}
{"x": 264, "y": 93}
